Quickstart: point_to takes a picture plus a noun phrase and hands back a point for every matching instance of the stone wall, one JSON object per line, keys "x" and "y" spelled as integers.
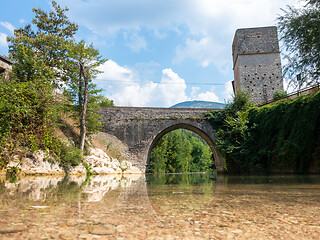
{"x": 141, "y": 128}
{"x": 256, "y": 62}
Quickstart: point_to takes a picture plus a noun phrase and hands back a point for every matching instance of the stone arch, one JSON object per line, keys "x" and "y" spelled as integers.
{"x": 208, "y": 139}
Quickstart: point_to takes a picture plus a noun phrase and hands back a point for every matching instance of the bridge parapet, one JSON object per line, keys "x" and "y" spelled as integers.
{"x": 133, "y": 113}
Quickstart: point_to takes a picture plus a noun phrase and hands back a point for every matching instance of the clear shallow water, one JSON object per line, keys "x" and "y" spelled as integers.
{"x": 182, "y": 206}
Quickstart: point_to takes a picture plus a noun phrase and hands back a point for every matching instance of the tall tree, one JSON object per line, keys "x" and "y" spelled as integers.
{"x": 300, "y": 31}
{"x": 48, "y": 42}
{"x": 85, "y": 60}
{"x": 68, "y": 64}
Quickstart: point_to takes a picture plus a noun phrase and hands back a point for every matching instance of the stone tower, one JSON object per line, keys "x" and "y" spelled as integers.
{"x": 256, "y": 63}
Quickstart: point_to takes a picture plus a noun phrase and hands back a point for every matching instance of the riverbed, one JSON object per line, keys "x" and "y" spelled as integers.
{"x": 173, "y": 206}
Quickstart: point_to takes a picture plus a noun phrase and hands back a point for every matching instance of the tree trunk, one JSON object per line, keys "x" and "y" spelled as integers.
{"x": 83, "y": 128}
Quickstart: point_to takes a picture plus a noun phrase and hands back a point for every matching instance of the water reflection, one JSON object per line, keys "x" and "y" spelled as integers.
{"x": 43, "y": 187}
{"x": 175, "y": 206}
{"x": 95, "y": 188}
{"x": 182, "y": 179}
{"x": 98, "y": 186}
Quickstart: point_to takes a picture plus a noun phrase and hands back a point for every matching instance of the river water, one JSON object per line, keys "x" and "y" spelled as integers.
{"x": 181, "y": 206}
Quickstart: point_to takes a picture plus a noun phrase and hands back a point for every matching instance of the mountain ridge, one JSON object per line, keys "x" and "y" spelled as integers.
{"x": 199, "y": 104}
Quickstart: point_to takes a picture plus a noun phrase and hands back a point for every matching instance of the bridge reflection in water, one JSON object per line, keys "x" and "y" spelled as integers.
{"x": 188, "y": 206}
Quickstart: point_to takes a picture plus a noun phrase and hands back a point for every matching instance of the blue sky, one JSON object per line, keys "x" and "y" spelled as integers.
{"x": 160, "y": 52}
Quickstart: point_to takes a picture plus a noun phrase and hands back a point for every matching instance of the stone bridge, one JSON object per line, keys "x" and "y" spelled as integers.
{"x": 140, "y": 129}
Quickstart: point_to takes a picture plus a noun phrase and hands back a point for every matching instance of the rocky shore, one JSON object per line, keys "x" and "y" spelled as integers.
{"x": 98, "y": 161}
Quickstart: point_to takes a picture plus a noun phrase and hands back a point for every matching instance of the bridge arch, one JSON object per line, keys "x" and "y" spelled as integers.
{"x": 186, "y": 126}
{"x": 140, "y": 128}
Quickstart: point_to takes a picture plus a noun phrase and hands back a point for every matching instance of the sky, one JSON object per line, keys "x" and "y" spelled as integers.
{"x": 160, "y": 52}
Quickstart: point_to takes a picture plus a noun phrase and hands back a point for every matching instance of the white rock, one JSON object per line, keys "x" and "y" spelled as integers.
{"x": 132, "y": 170}
{"x": 99, "y": 163}
{"x": 77, "y": 170}
{"x": 125, "y": 165}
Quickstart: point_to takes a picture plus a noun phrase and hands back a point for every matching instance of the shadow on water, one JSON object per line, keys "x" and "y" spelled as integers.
{"x": 273, "y": 179}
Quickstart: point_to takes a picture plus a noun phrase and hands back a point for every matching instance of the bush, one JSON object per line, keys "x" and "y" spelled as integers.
{"x": 279, "y": 94}
{"x": 27, "y": 121}
{"x": 282, "y": 137}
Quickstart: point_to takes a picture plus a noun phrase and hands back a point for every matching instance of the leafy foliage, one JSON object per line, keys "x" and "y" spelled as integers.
{"x": 81, "y": 92}
{"x": 48, "y": 51}
{"x": 105, "y": 102}
{"x": 287, "y": 136}
{"x": 48, "y": 43}
{"x": 180, "y": 151}
{"x": 300, "y": 32}
{"x": 27, "y": 116}
{"x": 279, "y": 94}
{"x": 44, "y": 60}
{"x": 232, "y": 128}
{"x": 282, "y": 137}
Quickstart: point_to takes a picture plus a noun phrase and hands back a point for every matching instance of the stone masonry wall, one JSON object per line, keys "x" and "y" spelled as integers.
{"x": 257, "y": 64}
{"x": 140, "y": 128}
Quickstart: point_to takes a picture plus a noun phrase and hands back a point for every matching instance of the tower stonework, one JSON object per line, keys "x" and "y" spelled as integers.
{"x": 256, "y": 63}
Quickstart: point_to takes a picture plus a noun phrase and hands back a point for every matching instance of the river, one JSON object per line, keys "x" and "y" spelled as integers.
{"x": 176, "y": 206}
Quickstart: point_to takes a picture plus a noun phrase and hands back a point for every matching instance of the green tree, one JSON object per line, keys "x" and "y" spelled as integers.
{"x": 180, "y": 151}
{"x": 157, "y": 162}
{"x": 105, "y": 102}
{"x": 300, "y": 31}
{"x": 201, "y": 155}
{"x": 85, "y": 60}
{"x": 49, "y": 43}
{"x": 232, "y": 125}
{"x": 28, "y": 114}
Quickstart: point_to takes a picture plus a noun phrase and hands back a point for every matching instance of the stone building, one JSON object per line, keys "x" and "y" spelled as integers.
{"x": 5, "y": 66}
{"x": 256, "y": 63}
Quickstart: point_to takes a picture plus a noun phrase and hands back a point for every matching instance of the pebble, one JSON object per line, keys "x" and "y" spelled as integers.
{"x": 101, "y": 231}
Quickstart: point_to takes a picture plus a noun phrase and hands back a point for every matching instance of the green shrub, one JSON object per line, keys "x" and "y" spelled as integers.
{"x": 282, "y": 137}
{"x": 70, "y": 156}
{"x": 279, "y": 94}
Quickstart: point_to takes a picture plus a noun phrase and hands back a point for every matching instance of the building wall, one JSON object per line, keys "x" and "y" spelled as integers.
{"x": 5, "y": 66}
{"x": 257, "y": 64}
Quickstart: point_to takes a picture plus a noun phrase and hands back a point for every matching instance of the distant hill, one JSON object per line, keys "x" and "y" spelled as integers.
{"x": 199, "y": 104}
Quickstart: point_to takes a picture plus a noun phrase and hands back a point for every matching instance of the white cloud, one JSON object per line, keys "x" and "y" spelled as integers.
{"x": 8, "y": 26}
{"x": 135, "y": 42}
{"x": 113, "y": 72}
{"x": 124, "y": 86}
{"x": 204, "y": 51}
{"x": 194, "y": 92}
{"x": 208, "y": 23}
{"x": 172, "y": 88}
{"x": 208, "y": 96}
{"x": 3, "y": 40}
{"x": 228, "y": 92}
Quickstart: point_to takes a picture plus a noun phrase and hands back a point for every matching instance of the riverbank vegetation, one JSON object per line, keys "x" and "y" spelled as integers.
{"x": 283, "y": 137}
{"x": 299, "y": 29}
{"x": 180, "y": 151}
{"x": 51, "y": 79}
